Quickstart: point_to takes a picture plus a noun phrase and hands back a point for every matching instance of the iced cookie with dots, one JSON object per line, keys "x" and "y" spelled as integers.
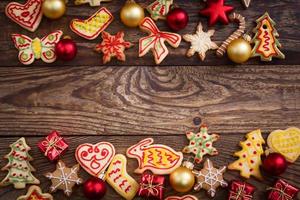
{"x": 201, "y": 144}
{"x": 210, "y": 178}
{"x": 250, "y": 156}
{"x": 35, "y": 193}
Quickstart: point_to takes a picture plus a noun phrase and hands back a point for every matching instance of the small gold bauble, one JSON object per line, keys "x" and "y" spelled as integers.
{"x": 132, "y": 14}
{"x": 54, "y": 9}
{"x": 182, "y": 179}
{"x": 239, "y": 50}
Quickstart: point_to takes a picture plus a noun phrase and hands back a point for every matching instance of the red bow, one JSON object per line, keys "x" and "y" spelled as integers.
{"x": 155, "y": 40}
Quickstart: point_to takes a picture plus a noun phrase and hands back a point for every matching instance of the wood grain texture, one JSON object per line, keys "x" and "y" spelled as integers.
{"x": 287, "y": 25}
{"x": 226, "y": 146}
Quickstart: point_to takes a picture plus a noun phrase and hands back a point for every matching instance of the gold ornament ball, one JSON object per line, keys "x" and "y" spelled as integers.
{"x": 239, "y": 50}
{"x": 182, "y": 179}
{"x": 132, "y": 14}
{"x": 54, "y": 9}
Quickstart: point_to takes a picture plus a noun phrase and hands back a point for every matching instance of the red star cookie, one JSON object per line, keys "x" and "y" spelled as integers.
{"x": 216, "y": 11}
{"x": 113, "y": 46}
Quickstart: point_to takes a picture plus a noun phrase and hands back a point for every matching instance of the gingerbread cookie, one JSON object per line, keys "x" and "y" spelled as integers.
{"x": 249, "y": 157}
{"x": 160, "y": 159}
{"x": 18, "y": 166}
{"x": 201, "y": 144}
{"x": 31, "y": 49}
{"x": 285, "y": 142}
{"x": 200, "y": 42}
{"x": 95, "y": 158}
{"x": 186, "y": 197}
{"x": 35, "y": 193}
{"x": 64, "y": 178}
{"x": 93, "y": 26}
{"x": 119, "y": 179}
{"x": 246, "y": 3}
{"x": 113, "y": 46}
{"x": 28, "y": 16}
{"x": 265, "y": 39}
{"x": 159, "y": 9}
{"x": 210, "y": 178}
{"x": 91, "y": 2}
{"x": 156, "y": 40}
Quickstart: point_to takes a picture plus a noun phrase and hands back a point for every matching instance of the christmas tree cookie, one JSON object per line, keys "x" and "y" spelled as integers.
{"x": 249, "y": 157}
{"x": 201, "y": 144}
{"x": 18, "y": 166}
{"x": 266, "y": 44}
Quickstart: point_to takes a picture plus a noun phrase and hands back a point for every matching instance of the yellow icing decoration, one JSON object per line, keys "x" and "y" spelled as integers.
{"x": 36, "y": 48}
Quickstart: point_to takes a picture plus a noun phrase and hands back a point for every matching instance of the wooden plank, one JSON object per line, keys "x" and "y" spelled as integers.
{"x": 287, "y": 25}
{"x": 143, "y": 100}
{"x": 226, "y": 146}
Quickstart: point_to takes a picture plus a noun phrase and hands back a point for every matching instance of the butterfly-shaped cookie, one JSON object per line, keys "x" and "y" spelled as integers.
{"x": 31, "y": 49}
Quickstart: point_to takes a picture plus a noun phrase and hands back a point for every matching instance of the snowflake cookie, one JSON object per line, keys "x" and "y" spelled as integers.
{"x": 64, "y": 178}
{"x": 201, "y": 144}
{"x": 113, "y": 46}
{"x": 210, "y": 178}
{"x": 200, "y": 42}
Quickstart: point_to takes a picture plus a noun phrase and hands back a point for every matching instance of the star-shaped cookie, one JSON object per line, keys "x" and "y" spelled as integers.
{"x": 210, "y": 178}
{"x": 201, "y": 144}
{"x": 200, "y": 42}
{"x": 64, "y": 178}
{"x": 35, "y": 193}
{"x": 113, "y": 46}
{"x": 216, "y": 11}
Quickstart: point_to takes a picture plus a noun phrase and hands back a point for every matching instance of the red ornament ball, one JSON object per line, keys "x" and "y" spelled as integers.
{"x": 94, "y": 188}
{"x": 275, "y": 164}
{"x": 66, "y": 49}
{"x": 177, "y": 19}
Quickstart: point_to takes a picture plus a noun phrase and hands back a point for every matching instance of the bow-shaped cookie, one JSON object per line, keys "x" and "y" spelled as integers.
{"x": 155, "y": 40}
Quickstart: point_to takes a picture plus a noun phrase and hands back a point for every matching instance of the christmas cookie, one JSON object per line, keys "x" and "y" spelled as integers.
{"x": 186, "y": 197}
{"x": 31, "y": 49}
{"x": 156, "y": 40}
{"x": 160, "y": 159}
{"x": 246, "y": 3}
{"x": 200, "y": 42}
{"x": 210, "y": 178}
{"x": 119, "y": 179}
{"x": 28, "y": 15}
{"x": 113, "y": 46}
{"x": 95, "y": 158}
{"x": 249, "y": 157}
{"x": 285, "y": 142}
{"x": 18, "y": 166}
{"x": 159, "y": 9}
{"x": 265, "y": 39}
{"x": 35, "y": 193}
{"x": 201, "y": 144}
{"x": 64, "y": 178}
{"x": 93, "y": 26}
{"x": 91, "y": 2}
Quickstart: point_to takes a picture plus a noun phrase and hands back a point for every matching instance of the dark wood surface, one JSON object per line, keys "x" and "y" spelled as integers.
{"x": 88, "y": 102}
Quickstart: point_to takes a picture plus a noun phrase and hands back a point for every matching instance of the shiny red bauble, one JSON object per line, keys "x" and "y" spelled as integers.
{"x": 177, "y": 19}
{"x": 275, "y": 164}
{"x": 94, "y": 188}
{"x": 66, "y": 49}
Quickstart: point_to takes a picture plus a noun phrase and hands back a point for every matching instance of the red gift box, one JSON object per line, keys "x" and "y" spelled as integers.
{"x": 53, "y": 146}
{"x": 282, "y": 191}
{"x": 241, "y": 191}
{"x": 152, "y": 186}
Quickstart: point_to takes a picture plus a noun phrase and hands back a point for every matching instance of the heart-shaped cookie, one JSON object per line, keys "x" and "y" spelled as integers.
{"x": 285, "y": 142}
{"x": 93, "y": 26}
{"x": 95, "y": 158}
{"x": 186, "y": 197}
{"x": 28, "y": 15}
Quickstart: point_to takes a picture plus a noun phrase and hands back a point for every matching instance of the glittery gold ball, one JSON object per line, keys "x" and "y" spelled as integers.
{"x": 54, "y": 9}
{"x": 132, "y": 14}
{"x": 239, "y": 50}
{"x": 182, "y": 179}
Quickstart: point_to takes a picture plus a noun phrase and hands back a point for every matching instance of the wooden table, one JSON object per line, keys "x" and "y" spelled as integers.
{"x": 125, "y": 102}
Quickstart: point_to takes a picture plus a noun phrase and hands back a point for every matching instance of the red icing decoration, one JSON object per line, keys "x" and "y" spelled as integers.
{"x": 216, "y": 11}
